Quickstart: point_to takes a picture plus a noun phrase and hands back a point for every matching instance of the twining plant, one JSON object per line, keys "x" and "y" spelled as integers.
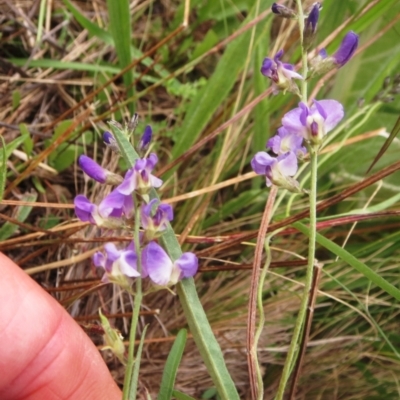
{"x": 301, "y": 136}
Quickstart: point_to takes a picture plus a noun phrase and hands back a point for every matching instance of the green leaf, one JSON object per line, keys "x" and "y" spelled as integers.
{"x": 171, "y": 366}
{"x": 16, "y": 99}
{"x": 28, "y": 142}
{"x": 351, "y": 260}
{"x": 21, "y": 213}
{"x": 182, "y": 396}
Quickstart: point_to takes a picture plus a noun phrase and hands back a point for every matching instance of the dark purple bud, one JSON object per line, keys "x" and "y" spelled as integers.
{"x": 310, "y": 26}
{"x": 110, "y": 141}
{"x": 312, "y": 19}
{"x": 346, "y": 50}
{"x": 108, "y": 137}
{"x": 146, "y": 138}
{"x": 283, "y": 11}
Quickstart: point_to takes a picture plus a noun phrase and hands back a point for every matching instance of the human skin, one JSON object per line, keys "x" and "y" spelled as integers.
{"x": 44, "y": 354}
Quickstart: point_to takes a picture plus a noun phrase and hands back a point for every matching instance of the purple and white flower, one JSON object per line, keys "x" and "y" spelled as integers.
{"x": 313, "y": 123}
{"x": 280, "y": 73}
{"x": 277, "y": 170}
{"x": 139, "y": 177}
{"x": 155, "y": 218}
{"x": 285, "y": 141}
{"x": 116, "y": 205}
{"x": 98, "y": 173}
{"x": 162, "y": 270}
{"x": 118, "y": 264}
{"x": 89, "y": 212}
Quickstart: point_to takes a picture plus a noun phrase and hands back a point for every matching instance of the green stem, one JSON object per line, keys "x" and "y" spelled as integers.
{"x": 308, "y": 281}
{"x": 129, "y": 386}
{"x": 304, "y": 65}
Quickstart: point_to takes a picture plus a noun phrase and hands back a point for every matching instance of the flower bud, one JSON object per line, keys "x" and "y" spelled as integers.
{"x": 282, "y": 11}
{"x": 113, "y": 339}
{"x": 146, "y": 138}
{"x": 109, "y": 141}
{"x": 310, "y": 26}
{"x": 98, "y": 173}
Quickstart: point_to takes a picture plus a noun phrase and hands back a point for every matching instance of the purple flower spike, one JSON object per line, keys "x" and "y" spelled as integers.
{"x": 315, "y": 122}
{"x": 286, "y": 141}
{"x": 139, "y": 177}
{"x": 118, "y": 264}
{"x": 154, "y": 218}
{"x": 280, "y": 73}
{"x": 346, "y": 50}
{"x": 98, "y": 173}
{"x": 160, "y": 268}
{"x": 146, "y": 138}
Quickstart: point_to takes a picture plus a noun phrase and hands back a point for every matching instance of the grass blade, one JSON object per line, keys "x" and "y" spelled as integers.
{"x": 120, "y": 28}
{"x": 351, "y": 260}
{"x": 171, "y": 366}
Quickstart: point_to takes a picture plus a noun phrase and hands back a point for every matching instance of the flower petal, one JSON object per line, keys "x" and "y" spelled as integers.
{"x": 334, "y": 113}
{"x": 260, "y": 161}
{"x": 288, "y": 164}
{"x": 157, "y": 264}
{"x": 128, "y": 263}
{"x": 188, "y": 263}
{"x": 292, "y": 121}
{"x": 92, "y": 169}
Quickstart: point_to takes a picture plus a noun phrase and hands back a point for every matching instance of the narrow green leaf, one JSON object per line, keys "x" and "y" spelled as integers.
{"x": 28, "y": 142}
{"x": 21, "y": 214}
{"x": 181, "y": 396}
{"x": 91, "y": 27}
{"x": 351, "y": 260}
{"x": 120, "y": 28}
{"x": 194, "y": 312}
{"x": 171, "y": 366}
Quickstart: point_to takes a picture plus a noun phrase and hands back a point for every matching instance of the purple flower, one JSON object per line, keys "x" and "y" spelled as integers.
{"x": 280, "y": 73}
{"x": 162, "y": 270}
{"x": 286, "y": 141}
{"x": 283, "y": 11}
{"x": 313, "y": 123}
{"x": 89, "y": 212}
{"x": 139, "y": 177}
{"x": 146, "y": 138}
{"x": 277, "y": 170}
{"x": 118, "y": 264}
{"x": 116, "y": 204}
{"x": 155, "y": 217}
{"x": 346, "y": 50}
{"x": 98, "y": 173}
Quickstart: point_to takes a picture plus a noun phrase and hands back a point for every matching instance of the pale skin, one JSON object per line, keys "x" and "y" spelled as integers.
{"x": 44, "y": 354}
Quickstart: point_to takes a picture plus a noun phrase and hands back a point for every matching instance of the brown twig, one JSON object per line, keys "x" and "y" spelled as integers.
{"x": 252, "y": 308}
{"x": 306, "y": 331}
